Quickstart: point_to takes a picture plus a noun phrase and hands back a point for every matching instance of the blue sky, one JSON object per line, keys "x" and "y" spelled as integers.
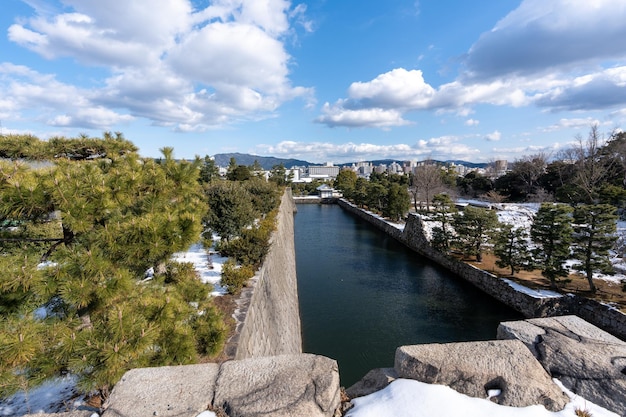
{"x": 338, "y": 81}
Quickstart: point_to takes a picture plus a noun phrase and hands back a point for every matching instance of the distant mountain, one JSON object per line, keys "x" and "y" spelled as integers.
{"x": 267, "y": 162}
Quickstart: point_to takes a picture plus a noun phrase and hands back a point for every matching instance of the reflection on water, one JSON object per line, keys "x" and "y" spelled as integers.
{"x": 362, "y": 294}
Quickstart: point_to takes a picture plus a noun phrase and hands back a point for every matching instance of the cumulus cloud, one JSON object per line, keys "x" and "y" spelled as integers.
{"x": 540, "y": 37}
{"x": 445, "y": 147}
{"x": 551, "y": 55}
{"x": 337, "y": 115}
{"x": 192, "y": 69}
{"x": 493, "y": 137}
{"x": 472, "y": 122}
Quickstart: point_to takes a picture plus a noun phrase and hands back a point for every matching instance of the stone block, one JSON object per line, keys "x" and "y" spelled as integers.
{"x": 179, "y": 391}
{"x": 286, "y": 385}
{"x": 373, "y": 381}
{"x": 474, "y": 368}
{"x": 587, "y": 360}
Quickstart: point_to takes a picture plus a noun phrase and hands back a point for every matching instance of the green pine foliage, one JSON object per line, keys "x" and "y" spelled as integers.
{"x": 511, "y": 248}
{"x": 100, "y": 224}
{"x": 474, "y": 228}
{"x": 234, "y": 277}
{"x": 594, "y": 235}
{"x": 443, "y": 212}
{"x": 551, "y": 231}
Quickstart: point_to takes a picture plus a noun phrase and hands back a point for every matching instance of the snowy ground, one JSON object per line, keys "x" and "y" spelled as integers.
{"x": 209, "y": 268}
{"x": 521, "y": 215}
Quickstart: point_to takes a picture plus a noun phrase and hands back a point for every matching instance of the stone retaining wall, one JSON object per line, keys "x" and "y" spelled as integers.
{"x": 271, "y": 325}
{"x": 601, "y": 315}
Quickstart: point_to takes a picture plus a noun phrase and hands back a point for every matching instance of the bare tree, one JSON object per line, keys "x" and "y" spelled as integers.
{"x": 529, "y": 169}
{"x": 592, "y": 170}
{"x": 427, "y": 182}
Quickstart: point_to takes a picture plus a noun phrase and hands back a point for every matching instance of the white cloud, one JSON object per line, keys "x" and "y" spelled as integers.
{"x": 189, "y": 69}
{"x": 493, "y": 137}
{"x": 472, "y": 122}
{"x": 337, "y": 115}
{"x": 540, "y": 37}
{"x": 445, "y": 147}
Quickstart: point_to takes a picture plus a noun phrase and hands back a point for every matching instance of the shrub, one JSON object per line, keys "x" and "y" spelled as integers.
{"x": 234, "y": 277}
{"x": 210, "y": 331}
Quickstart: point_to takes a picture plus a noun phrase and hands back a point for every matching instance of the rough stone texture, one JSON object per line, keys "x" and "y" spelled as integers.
{"x": 472, "y": 368}
{"x": 601, "y": 315}
{"x": 587, "y": 360}
{"x": 288, "y": 385}
{"x": 77, "y": 413}
{"x": 163, "y": 391}
{"x": 272, "y": 322}
{"x": 373, "y": 381}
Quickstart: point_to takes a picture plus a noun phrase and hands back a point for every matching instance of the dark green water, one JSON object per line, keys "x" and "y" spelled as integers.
{"x": 362, "y": 294}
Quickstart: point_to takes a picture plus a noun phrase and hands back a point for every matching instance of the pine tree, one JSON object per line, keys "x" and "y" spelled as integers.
{"x": 474, "y": 227}
{"x": 594, "y": 235}
{"x": 511, "y": 248}
{"x": 398, "y": 201}
{"x": 100, "y": 224}
{"x": 551, "y": 231}
{"x": 443, "y": 235}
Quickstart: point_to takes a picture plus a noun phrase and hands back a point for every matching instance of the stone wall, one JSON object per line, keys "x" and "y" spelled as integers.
{"x": 271, "y": 325}
{"x": 601, "y": 315}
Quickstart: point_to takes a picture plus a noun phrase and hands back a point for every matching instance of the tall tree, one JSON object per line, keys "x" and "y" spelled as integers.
{"x": 230, "y": 208}
{"x": 278, "y": 175}
{"x": 346, "y": 182}
{"x": 443, "y": 212}
{"x": 594, "y": 235}
{"x": 208, "y": 169}
{"x": 591, "y": 169}
{"x": 397, "y": 201}
{"x": 551, "y": 231}
{"x": 86, "y": 311}
{"x": 474, "y": 228}
{"x": 511, "y": 248}
{"x": 428, "y": 181}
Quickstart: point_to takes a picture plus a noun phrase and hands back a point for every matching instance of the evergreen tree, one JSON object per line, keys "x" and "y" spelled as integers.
{"x": 474, "y": 228}
{"x": 551, "y": 231}
{"x": 100, "y": 224}
{"x": 511, "y": 248}
{"x": 443, "y": 210}
{"x": 278, "y": 175}
{"x": 594, "y": 235}
{"x": 230, "y": 208}
{"x": 346, "y": 182}
{"x": 208, "y": 169}
{"x": 398, "y": 201}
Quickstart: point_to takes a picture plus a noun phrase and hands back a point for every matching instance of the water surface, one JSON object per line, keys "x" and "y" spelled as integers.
{"x": 362, "y": 294}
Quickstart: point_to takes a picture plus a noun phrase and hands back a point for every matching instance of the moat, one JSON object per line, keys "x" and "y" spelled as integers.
{"x": 362, "y": 294}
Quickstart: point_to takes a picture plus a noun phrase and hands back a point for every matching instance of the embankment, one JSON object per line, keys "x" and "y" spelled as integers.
{"x": 526, "y": 302}
{"x": 271, "y": 323}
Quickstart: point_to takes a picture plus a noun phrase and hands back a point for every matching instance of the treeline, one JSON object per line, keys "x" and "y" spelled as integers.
{"x": 593, "y": 171}
{"x": 383, "y": 193}
{"x": 86, "y": 239}
{"x": 31, "y": 148}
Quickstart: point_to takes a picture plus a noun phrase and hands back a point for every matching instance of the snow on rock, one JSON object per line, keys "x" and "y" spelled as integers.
{"x": 209, "y": 268}
{"x": 408, "y": 398}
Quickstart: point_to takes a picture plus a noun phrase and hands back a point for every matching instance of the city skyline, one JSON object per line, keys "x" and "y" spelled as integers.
{"x": 317, "y": 81}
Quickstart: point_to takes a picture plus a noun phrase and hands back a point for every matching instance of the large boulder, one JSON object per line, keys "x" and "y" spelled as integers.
{"x": 286, "y": 385}
{"x": 163, "y": 391}
{"x": 587, "y": 360}
{"x": 478, "y": 369}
